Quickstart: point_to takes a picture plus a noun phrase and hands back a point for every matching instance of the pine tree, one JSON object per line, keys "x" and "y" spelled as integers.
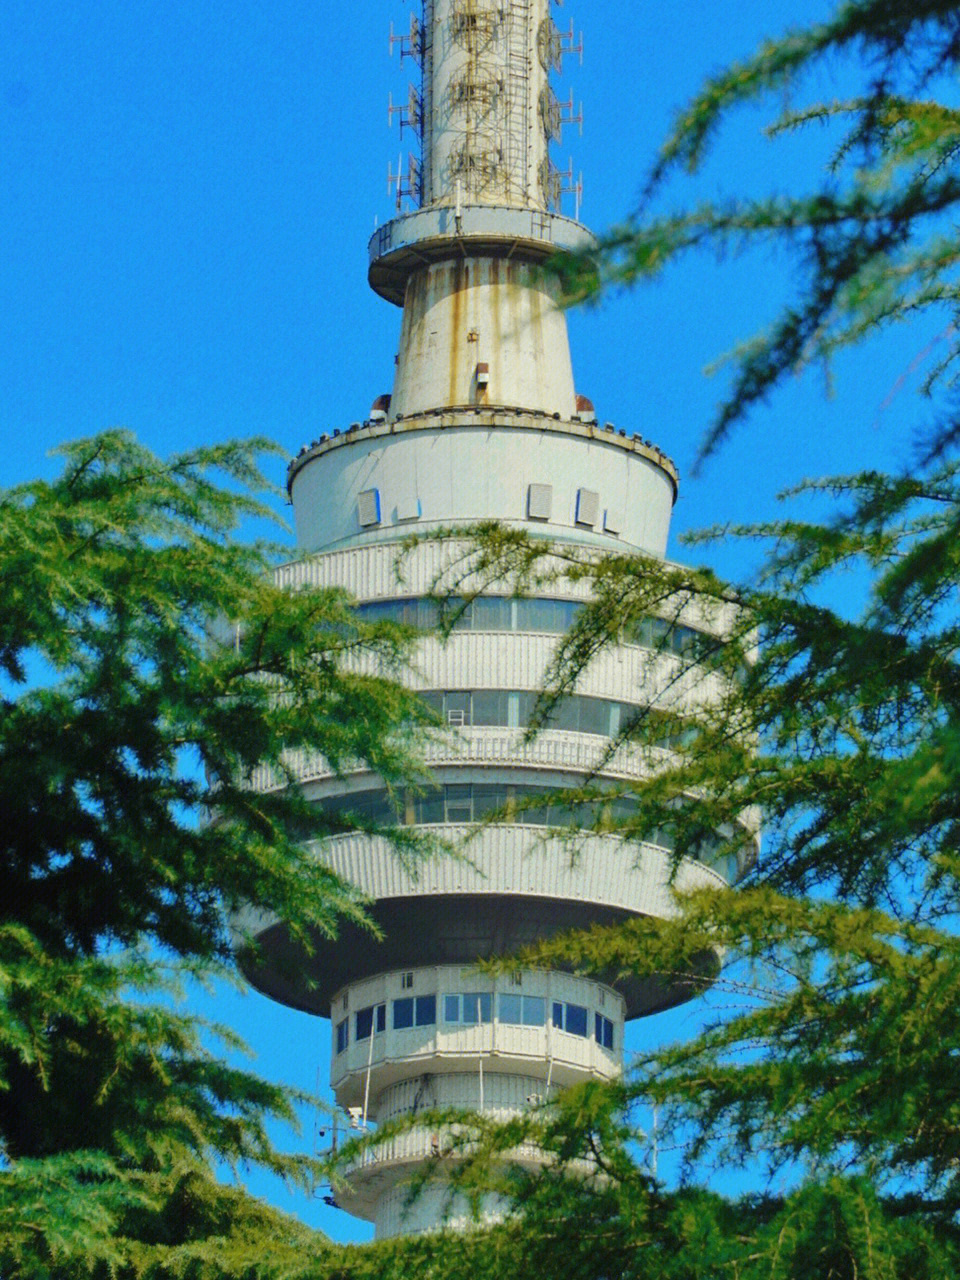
{"x": 149, "y": 667}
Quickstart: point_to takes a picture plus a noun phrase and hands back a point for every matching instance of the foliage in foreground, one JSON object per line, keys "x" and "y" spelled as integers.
{"x": 125, "y": 721}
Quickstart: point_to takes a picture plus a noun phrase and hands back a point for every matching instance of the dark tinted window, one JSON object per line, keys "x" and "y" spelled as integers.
{"x": 425, "y": 1011}
{"x": 403, "y": 1013}
{"x": 575, "y": 1020}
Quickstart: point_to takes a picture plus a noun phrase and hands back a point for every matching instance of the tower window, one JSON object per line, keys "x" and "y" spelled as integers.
{"x": 425, "y": 1011}
{"x": 603, "y": 1031}
{"x": 527, "y": 1011}
{"x": 365, "y": 1019}
{"x": 571, "y": 1018}
{"x": 343, "y": 1035}
{"x": 403, "y": 1013}
{"x": 469, "y": 1009}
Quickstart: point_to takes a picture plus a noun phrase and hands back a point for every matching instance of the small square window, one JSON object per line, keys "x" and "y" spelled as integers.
{"x": 406, "y": 982}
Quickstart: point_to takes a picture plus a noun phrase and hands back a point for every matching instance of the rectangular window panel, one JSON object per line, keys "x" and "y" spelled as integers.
{"x": 526, "y": 702}
{"x": 558, "y": 1015}
{"x": 509, "y": 1009}
{"x": 492, "y": 613}
{"x": 430, "y": 807}
{"x": 575, "y": 1020}
{"x": 426, "y": 1011}
{"x": 343, "y": 1034}
{"x": 458, "y": 802}
{"x": 451, "y": 1008}
{"x": 403, "y": 1013}
{"x": 534, "y": 1014}
{"x": 566, "y": 715}
{"x": 364, "y": 1023}
{"x": 457, "y": 708}
{"x": 594, "y": 715}
{"x": 381, "y": 1017}
{"x": 433, "y": 699}
{"x": 477, "y": 1007}
{"x": 603, "y": 1031}
{"x": 488, "y": 797}
{"x": 490, "y": 706}
{"x": 513, "y": 710}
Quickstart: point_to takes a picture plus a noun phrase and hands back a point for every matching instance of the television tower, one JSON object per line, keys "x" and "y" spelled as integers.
{"x": 483, "y": 423}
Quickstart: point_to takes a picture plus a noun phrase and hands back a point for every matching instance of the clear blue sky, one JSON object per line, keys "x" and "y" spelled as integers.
{"x": 187, "y": 192}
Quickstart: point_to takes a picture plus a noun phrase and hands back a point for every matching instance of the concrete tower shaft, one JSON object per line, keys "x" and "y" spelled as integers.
{"x": 483, "y": 324}
{"x": 488, "y": 111}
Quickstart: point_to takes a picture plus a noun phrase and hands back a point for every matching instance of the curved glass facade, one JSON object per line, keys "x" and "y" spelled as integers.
{"x": 509, "y": 613}
{"x": 576, "y": 713}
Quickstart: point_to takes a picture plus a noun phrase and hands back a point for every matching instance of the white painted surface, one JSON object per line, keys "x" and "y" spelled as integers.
{"x": 463, "y": 473}
{"x": 523, "y": 861}
{"x": 387, "y": 571}
{"x": 483, "y": 310}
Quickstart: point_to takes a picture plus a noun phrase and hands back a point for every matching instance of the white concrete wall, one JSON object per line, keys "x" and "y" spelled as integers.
{"x": 460, "y": 474}
{"x": 521, "y": 861}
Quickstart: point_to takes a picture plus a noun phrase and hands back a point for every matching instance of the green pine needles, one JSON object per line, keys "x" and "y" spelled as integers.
{"x": 149, "y": 666}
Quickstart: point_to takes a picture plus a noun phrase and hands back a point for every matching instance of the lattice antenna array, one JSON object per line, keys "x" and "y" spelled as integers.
{"x": 485, "y": 114}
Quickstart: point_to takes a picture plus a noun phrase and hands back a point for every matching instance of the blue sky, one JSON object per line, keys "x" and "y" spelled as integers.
{"x": 187, "y": 192}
